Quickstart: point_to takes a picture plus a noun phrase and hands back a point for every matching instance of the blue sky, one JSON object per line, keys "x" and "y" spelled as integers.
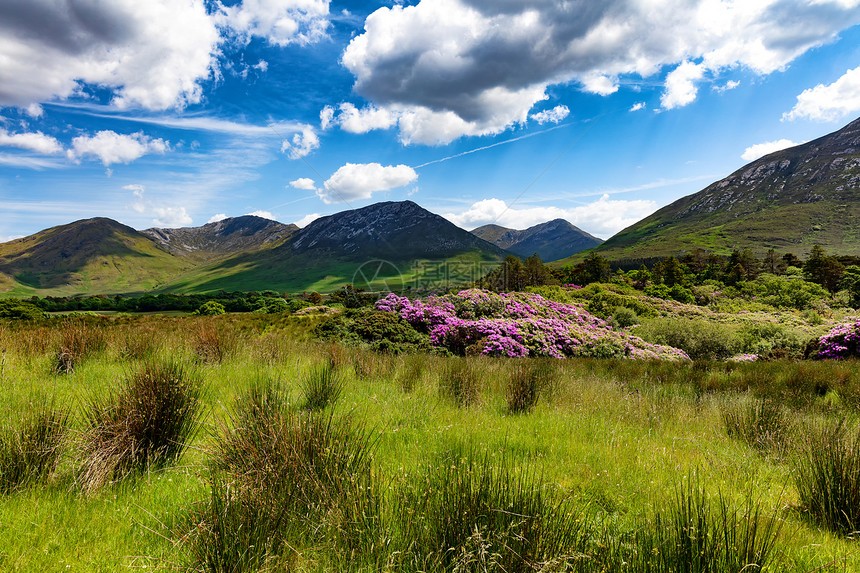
{"x": 176, "y": 113}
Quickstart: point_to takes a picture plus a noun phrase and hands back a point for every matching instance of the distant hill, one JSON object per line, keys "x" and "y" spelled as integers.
{"x": 552, "y": 240}
{"x": 89, "y": 256}
{"x": 385, "y": 244}
{"x": 225, "y": 237}
{"x": 789, "y": 201}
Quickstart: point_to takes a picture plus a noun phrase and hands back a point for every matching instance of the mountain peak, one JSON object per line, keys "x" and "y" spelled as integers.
{"x": 552, "y": 240}
{"x": 229, "y": 235}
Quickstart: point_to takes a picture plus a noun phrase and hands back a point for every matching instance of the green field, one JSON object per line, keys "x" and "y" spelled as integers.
{"x": 608, "y": 446}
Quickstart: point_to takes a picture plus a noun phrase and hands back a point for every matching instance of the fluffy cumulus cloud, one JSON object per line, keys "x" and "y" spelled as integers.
{"x": 602, "y": 218}
{"x": 355, "y": 181}
{"x": 152, "y": 54}
{"x": 111, "y": 147}
{"x": 217, "y": 217}
{"x": 35, "y": 141}
{"x": 171, "y": 217}
{"x": 307, "y": 220}
{"x": 442, "y": 69}
{"x": 263, "y": 214}
{"x": 829, "y": 102}
{"x": 554, "y": 115}
{"x": 280, "y": 22}
{"x": 303, "y": 183}
{"x": 302, "y": 143}
{"x": 753, "y": 152}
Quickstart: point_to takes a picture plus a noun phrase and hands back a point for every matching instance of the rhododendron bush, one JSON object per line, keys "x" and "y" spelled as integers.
{"x": 843, "y": 341}
{"x": 519, "y": 324}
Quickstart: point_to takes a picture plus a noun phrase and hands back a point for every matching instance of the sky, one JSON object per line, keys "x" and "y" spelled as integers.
{"x": 177, "y": 113}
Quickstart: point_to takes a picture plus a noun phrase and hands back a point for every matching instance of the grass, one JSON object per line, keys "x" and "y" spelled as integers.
{"x": 145, "y": 425}
{"x": 30, "y": 450}
{"x": 605, "y": 442}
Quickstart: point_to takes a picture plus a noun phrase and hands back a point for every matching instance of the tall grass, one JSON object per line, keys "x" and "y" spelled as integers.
{"x": 761, "y": 424}
{"x": 213, "y": 344}
{"x": 146, "y": 424}
{"x": 468, "y": 514}
{"x": 528, "y": 379}
{"x": 30, "y": 450}
{"x": 827, "y": 476}
{"x": 77, "y": 340}
{"x": 322, "y": 386}
{"x": 460, "y": 381}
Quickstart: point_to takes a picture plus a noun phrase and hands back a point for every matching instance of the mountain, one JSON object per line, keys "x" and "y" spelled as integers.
{"x": 92, "y": 255}
{"x": 788, "y": 201}
{"x": 228, "y": 236}
{"x": 552, "y": 240}
{"x": 373, "y": 247}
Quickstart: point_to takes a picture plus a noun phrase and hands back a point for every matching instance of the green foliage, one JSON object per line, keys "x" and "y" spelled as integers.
{"x": 29, "y": 451}
{"x": 700, "y": 339}
{"x": 145, "y": 425}
{"x": 761, "y": 424}
{"x": 625, "y": 317}
{"x": 210, "y": 308}
{"x": 322, "y": 386}
{"x": 823, "y": 269}
{"x": 381, "y": 331}
{"x": 851, "y": 283}
{"x": 19, "y": 310}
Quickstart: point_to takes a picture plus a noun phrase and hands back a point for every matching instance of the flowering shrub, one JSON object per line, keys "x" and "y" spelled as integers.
{"x": 519, "y": 324}
{"x": 841, "y": 342}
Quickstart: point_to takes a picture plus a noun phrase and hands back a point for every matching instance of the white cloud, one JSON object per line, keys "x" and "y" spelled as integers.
{"x": 38, "y": 142}
{"x": 638, "y": 106}
{"x": 152, "y": 54}
{"x": 307, "y": 220}
{"x": 7, "y": 238}
{"x": 360, "y": 180}
{"x": 171, "y": 217}
{"x": 681, "y": 88}
{"x": 111, "y": 147}
{"x": 554, "y": 115}
{"x": 436, "y": 64}
{"x": 753, "y": 152}
{"x": 728, "y": 86}
{"x": 304, "y": 183}
{"x": 34, "y": 110}
{"x": 302, "y": 144}
{"x": 217, "y": 217}
{"x": 37, "y": 163}
{"x": 355, "y": 120}
{"x": 829, "y": 102}
{"x": 602, "y": 218}
{"x": 262, "y": 65}
{"x": 263, "y": 214}
{"x": 280, "y": 22}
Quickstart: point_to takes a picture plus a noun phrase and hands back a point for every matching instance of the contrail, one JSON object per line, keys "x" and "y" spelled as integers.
{"x": 492, "y": 145}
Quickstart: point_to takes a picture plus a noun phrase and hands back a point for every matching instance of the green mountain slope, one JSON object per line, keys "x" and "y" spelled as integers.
{"x": 789, "y": 201}
{"x": 91, "y": 256}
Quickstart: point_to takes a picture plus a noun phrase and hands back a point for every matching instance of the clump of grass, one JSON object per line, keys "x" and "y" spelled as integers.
{"x": 827, "y": 476}
{"x": 762, "y": 424}
{"x": 292, "y": 476}
{"x": 529, "y": 378}
{"x": 470, "y": 515}
{"x": 460, "y": 382}
{"x": 77, "y": 341}
{"x": 145, "y": 425}
{"x": 30, "y": 450}
{"x": 412, "y": 371}
{"x": 211, "y": 343}
{"x": 140, "y": 344}
{"x": 322, "y": 386}
{"x": 693, "y": 535}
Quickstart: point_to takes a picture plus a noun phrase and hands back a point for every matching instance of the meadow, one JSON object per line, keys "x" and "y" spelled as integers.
{"x": 241, "y": 443}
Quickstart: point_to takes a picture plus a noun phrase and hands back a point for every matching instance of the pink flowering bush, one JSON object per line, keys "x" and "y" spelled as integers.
{"x": 843, "y": 341}
{"x": 519, "y": 324}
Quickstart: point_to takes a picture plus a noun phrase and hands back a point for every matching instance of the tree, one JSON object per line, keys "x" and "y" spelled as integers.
{"x": 210, "y": 308}
{"x": 823, "y": 269}
{"x": 670, "y": 272}
{"x": 773, "y": 263}
{"x": 851, "y": 282}
{"x": 536, "y": 273}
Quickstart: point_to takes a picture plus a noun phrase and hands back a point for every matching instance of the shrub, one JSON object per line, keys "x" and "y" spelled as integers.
{"x": 146, "y": 424}
{"x": 29, "y": 451}
{"x": 700, "y": 339}
{"x": 841, "y": 342}
{"x": 468, "y": 515}
{"x": 625, "y": 317}
{"x": 210, "y": 308}
{"x": 322, "y": 386}
{"x": 827, "y": 476}
{"x": 382, "y": 331}
{"x": 19, "y": 310}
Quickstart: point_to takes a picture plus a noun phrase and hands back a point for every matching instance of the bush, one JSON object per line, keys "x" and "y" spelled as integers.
{"x": 29, "y": 452}
{"x": 843, "y": 341}
{"x": 210, "y": 308}
{"x": 381, "y": 331}
{"x": 625, "y": 317}
{"x": 700, "y": 339}
{"x": 146, "y": 424}
{"x": 19, "y": 310}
